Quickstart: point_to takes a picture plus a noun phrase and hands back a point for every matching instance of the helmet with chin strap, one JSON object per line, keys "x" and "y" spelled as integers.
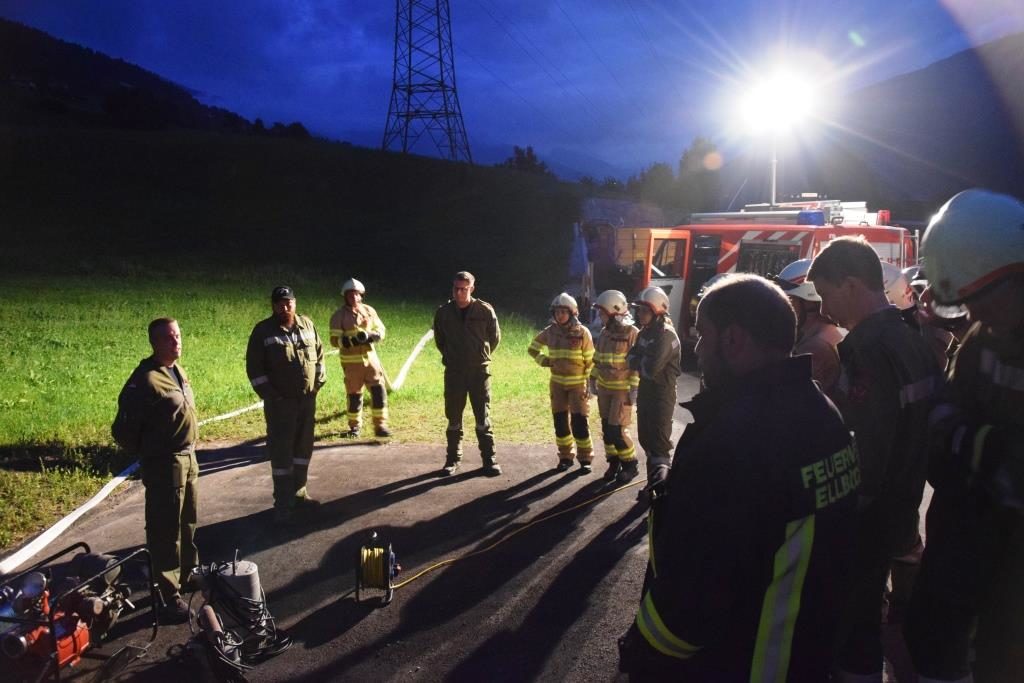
{"x": 563, "y": 300}
{"x": 975, "y": 240}
{"x": 655, "y": 299}
{"x": 793, "y": 281}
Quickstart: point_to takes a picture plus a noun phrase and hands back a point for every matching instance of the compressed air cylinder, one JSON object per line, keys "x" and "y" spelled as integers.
{"x": 244, "y": 577}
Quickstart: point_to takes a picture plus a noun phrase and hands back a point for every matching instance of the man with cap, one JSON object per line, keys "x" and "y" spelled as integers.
{"x": 285, "y": 364}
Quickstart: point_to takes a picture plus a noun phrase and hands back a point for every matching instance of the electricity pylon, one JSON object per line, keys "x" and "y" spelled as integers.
{"x": 424, "y": 102}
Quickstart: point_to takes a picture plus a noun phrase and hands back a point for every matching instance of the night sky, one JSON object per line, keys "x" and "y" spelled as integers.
{"x": 619, "y": 83}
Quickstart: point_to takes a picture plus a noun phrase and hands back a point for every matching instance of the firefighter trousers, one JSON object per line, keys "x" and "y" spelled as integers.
{"x": 172, "y": 506}
{"x": 459, "y": 383}
{"x": 616, "y": 416}
{"x": 970, "y": 590}
{"x": 570, "y": 407}
{"x": 290, "y": 442}
{"x": 358, "y": 375}
{"x": 654, "y": 407}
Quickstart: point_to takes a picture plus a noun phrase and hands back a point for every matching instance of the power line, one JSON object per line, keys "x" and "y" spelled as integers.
{"x": 650, "y": 47}
{"x": 503, "y": 25}
{"x": 514, "y": 91}
{"x": 638, "y": 104}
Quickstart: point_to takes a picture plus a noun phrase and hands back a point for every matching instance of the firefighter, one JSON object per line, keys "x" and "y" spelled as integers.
{"x": 656, "y": 358}
{"x": 972, "y": 573}
{"x": 887, "y": 381}
{"x": 355, "y": 328}
{"x": 567, "y": 348}
{"x": 466, "y": 333}
{"x": 285, "y": 364}
{"x": 750, "y": 543}
{"x": 815, "y": 334}
{"x": 156, "y": 422}
{"x": 615, "y": 384}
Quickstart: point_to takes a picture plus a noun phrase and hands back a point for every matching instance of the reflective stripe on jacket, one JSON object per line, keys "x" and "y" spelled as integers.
{"x": 349, "y": 322}
{"x": 610, "y": 366}
{"x": 569, "y": 351}
{"x": 751, "y": 543}
{"x": 285, "y": 363}
{"x": 887, "y": 387}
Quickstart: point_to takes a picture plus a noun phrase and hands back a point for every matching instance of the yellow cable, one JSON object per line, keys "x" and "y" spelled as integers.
{"x": 452, "y": 560}
{"x": 372, "y": 563}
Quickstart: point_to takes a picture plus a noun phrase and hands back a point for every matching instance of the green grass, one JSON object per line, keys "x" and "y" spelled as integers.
{"x": 68, "y": 344}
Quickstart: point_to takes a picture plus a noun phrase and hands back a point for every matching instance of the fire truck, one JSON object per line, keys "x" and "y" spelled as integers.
{"x": 759, "y": 239}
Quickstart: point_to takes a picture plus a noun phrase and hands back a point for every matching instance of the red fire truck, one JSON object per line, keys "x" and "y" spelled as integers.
{"x": 758, "y": 239}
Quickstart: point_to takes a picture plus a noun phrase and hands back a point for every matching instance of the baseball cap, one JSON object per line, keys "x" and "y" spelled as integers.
{"x": 282, "y": 292}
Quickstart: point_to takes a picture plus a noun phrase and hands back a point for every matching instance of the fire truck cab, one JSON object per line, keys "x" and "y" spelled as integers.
{"x": 759, "y": 239}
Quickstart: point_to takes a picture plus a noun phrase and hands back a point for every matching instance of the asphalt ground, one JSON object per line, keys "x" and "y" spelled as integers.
{"x": 546, "y": 603}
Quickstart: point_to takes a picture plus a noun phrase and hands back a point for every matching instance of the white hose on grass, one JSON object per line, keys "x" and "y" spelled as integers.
{"x": 8, "y": 565}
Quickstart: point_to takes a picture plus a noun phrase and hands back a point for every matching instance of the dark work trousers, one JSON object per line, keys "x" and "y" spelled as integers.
{"x": 859, "y": 637}
{"x": 290, "y": 442}
{"x": 654, "y": 407}
{"x": 172, "y": 507}
{"x": 474, "y": 382}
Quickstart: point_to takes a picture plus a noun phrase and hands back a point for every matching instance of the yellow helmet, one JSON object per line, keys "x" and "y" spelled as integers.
{"x": 563, "y": 300}
{"x": 975, "y": 239}
{"x": 653, "y": 298}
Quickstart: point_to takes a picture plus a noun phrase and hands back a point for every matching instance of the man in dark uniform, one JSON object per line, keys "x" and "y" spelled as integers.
{"x": 466, "y": 333}
{"x": 656, "y": 356}
{"x": 750, "y": 541}
{"x": 887, "y": 383}
{"x": 971, "y": 586}
{"x": 285, "y": 364}
{"x": 156, "y": 422}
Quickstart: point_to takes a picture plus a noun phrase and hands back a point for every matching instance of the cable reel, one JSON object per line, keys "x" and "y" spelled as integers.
{"x": 376, "y": 568}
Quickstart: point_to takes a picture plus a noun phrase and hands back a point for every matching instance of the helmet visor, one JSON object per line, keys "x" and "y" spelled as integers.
{"x": 933, "y": 308}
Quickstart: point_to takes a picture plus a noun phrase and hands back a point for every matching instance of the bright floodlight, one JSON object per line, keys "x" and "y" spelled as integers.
{"x": 775, "y": 104}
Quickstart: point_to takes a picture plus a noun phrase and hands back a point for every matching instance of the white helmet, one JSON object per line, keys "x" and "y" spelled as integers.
{"x": 353, "y": 284}
{"x": 613, "y": 302}
{"x": 563, "y": 300}
{"x": 655, "y": 299}
{"x": 793, "y": 281}
{"x": 897, "y": 286}
{"x": 976, "y": 238}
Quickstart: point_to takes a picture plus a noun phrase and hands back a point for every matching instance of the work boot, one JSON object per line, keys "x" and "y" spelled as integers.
{"x": 175, "y": 610}
{"x": 628, "y": 472}
{"x": 381, "y": 432}
{"x": 282, "y": 515}
{"x": 563, "y": 464}
{"x": 613, "y": 469}
{"x": 586, "y": 468}
{"x": 305, "y": 504}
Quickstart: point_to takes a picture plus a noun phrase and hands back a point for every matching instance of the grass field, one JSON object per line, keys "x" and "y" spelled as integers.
{"x": 69, "y": 344}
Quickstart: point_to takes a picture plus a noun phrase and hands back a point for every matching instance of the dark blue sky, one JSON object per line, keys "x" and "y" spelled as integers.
{"x": 624, "y": 82}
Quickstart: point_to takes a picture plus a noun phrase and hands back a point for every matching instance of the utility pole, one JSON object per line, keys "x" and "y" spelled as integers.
{"x": 424, "y": 103}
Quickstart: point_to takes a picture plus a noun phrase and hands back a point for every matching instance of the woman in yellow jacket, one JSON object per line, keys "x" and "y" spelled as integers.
{"x": 567, "y": 348}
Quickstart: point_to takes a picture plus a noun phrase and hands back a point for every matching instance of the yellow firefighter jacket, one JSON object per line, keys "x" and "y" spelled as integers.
{"x": 610, "y": 367}
{"x": 568, "y": 350}
{"x": 353, "y": 323}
